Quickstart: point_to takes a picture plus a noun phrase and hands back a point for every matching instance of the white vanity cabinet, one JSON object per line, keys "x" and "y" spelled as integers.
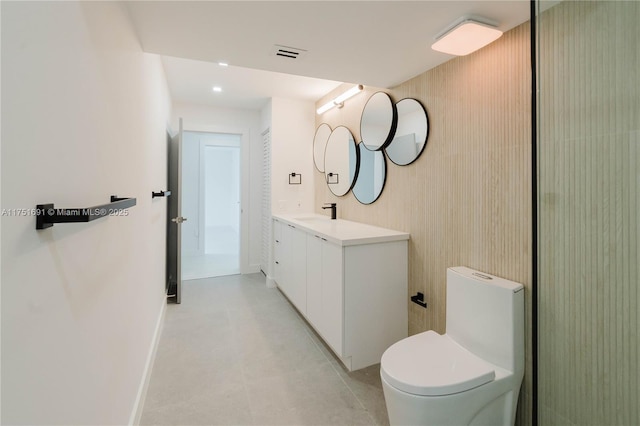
{"x": 278, "y": 251}
{"x": 349, "y": 280}
{"x": 325, "y": 290}
{"x": 290, "y": 269}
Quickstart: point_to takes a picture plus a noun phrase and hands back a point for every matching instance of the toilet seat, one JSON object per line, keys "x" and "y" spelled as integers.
{"x": 431, "y": 364}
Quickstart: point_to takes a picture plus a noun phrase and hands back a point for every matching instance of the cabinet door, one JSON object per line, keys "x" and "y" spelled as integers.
{"x": 314, "y": 281}
{"x": 332, "y": 324}
{"x": 285, "y": 284}
{"x": 277, "y": 251}
{"x": 297, "y": 269}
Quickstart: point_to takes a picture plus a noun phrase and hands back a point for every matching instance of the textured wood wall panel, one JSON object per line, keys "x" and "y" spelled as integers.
{"x": 467, "y": 199}
{"x": 589, "y": 191}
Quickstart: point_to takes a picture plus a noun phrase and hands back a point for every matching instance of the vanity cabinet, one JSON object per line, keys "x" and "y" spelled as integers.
{"x": 348, "y": 280}
{"x": 290, "y": 269}
{"x": 325, "y": 290}
{"x": 278, "y": 251}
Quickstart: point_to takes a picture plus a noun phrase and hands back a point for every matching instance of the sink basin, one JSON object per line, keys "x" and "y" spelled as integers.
{"x": 312, "y": 218}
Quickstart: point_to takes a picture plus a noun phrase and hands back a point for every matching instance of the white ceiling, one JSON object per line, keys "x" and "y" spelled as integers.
{"x": 245, "y": 88}
{"x": 375, "y": 43}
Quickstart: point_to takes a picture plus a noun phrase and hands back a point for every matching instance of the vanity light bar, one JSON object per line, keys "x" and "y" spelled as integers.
{"x": 325, "y": 107}
{"x": 339, "y": 100}
{"x": 348, "y": 94}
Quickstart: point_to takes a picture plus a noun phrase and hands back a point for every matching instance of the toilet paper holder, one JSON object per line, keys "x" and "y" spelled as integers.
{"x": 419, "y": 299}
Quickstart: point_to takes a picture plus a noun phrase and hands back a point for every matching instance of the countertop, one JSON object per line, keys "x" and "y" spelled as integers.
{"x": 340, "y": 231}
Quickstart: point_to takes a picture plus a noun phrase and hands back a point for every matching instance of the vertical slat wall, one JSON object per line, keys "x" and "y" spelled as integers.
{"x": 266, "y": 200}
{"x": 589, "y": 187}
{"x": 467, "y": 199}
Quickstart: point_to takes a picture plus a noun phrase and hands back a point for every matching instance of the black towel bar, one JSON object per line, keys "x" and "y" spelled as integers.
{"x": 47, "y": 214}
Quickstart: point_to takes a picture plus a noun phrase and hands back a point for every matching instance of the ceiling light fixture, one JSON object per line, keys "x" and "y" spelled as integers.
{"x": 466, "y": 35}
{"x": 223, "y": 64}
{"x": 339, "y": 100}
{"x": 217, "y": 89}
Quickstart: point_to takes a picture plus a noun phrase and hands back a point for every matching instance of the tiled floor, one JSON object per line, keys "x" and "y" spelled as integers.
{"x": 221, "y": 255}
{"x": 236, "y": 353}
{"x": 209, "y": 265}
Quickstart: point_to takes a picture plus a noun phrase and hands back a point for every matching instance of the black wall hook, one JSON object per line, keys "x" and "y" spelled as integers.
{"x": 160, "y": 194}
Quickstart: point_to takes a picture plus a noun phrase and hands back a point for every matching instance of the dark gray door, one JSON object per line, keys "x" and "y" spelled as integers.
{"x": 174, "y": 217}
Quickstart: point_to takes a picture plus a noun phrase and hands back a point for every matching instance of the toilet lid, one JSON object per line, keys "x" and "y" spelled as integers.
{"x": 431, "y": 364}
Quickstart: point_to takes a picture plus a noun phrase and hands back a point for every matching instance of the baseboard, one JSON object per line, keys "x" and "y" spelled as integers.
{"x": 136, "y": 414}
{"x": 255, "y": 268}
{"x": 271, "y": 283}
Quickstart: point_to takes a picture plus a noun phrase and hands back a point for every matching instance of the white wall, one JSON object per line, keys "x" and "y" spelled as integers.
{"x": 84, "y": 114}
{"x": 0, "y": 222}
{"x": 292, "y": 132}
{"x": 248, "y": 122}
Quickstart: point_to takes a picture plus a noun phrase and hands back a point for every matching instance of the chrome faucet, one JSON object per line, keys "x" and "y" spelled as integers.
{"x": 331, "y": 206}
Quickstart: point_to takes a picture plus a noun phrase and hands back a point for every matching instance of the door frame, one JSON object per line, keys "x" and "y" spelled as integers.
{"x": 245, "y": 143}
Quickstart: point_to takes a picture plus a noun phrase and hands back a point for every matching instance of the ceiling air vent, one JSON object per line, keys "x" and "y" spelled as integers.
{"x": 288, "y": 52}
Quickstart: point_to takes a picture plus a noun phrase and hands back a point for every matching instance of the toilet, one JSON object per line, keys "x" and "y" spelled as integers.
{"x": 472, "y": 374}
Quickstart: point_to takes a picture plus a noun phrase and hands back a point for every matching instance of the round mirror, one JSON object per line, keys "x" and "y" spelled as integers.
{"x": 319, "y": 144}
{"x": 411, "y": 134}
{"x": 371, "y": 175}
{"x": 378, "y": 121}
{"x": 341, "y": 161}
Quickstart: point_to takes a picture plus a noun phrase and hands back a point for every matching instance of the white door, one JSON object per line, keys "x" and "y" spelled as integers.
{"x": 174, "y": 217}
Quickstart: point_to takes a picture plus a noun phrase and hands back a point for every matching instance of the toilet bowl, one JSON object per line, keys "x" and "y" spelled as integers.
{"x": 472, "y": 374}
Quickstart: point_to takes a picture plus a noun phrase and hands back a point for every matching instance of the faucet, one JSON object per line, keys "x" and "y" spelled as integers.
{"x": 331, "y": 206}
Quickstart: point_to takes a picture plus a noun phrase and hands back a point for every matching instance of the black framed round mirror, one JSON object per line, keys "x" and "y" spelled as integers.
{"x": 411, "y": 134}
{"x": 341, "y": 161}
{"x": 378, "y": 121}
{"x": 372, "y": 175}
{"x": 320, "y": 144}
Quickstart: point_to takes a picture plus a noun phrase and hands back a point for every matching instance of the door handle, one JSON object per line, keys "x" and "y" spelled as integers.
{"x": 179, "y": 219}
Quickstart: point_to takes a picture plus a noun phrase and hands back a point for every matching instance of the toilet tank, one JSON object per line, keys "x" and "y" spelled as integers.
{"x": 485, "y": 314}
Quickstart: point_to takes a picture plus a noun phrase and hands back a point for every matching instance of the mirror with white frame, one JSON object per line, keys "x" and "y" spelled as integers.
{"x": 341, "y": 161}
{"x": 378, "y": 121}
{"x": 320, "y": 144}
{"x": 411, "y": 133}
{"x": 372, "y": 175}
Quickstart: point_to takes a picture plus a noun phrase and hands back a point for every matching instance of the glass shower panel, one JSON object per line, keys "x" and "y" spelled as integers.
{"x": 588, "y": 176}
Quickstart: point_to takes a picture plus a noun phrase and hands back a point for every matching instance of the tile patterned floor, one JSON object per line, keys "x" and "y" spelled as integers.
{"x": 236, "y": 353}
{"x": 209, "y": 265}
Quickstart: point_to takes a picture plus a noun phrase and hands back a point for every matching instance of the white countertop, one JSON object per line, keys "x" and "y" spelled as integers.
{"x": 340, "y": 231}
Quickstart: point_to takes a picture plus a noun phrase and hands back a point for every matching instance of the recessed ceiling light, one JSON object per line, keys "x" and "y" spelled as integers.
{"x": 217, "y": 89}
{"x": 223, "y": 64}
{"x": 466, "y": 35}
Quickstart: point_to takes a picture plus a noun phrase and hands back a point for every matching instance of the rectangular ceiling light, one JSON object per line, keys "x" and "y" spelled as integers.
{"x": 466, "y": 36}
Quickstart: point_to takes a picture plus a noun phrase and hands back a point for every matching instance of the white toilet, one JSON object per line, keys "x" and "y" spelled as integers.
{"x": 472, "y": 374}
